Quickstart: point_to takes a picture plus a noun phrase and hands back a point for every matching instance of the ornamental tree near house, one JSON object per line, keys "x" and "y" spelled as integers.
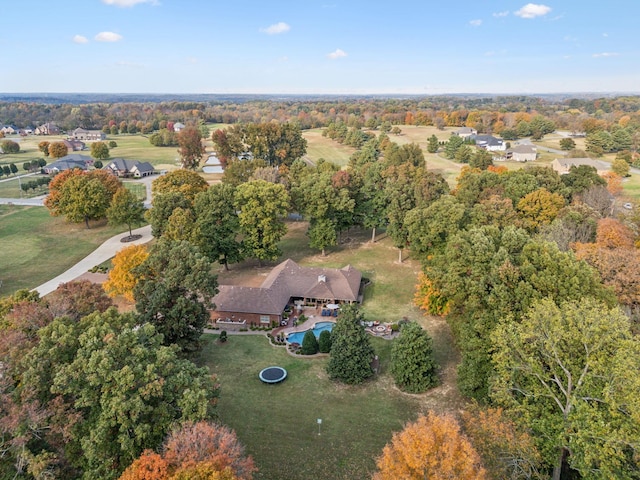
{"x": 57, "y": 149}
{"x": 99, "y": 150}
{"x": 351, "y": 350}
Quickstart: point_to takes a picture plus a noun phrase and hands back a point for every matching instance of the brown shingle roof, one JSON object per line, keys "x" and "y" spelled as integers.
{"x": 286, "y": 280}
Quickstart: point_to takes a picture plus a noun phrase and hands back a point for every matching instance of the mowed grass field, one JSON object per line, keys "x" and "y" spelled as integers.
{"x": 278, "y": 423}
{"x": 37, "y": 247}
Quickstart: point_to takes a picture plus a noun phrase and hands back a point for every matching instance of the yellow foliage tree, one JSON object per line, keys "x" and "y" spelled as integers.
{"x": 432, "y": 447}
{"x": 121, "y": 278}
{"x": 540, "y": 207}
{"x": 429, "y": 299}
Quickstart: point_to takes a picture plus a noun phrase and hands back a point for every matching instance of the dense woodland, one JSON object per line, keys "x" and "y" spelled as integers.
{"x": 535, "y": 272}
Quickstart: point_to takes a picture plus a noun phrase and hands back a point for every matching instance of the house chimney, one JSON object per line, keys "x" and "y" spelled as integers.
{"x": 322, "y": 278}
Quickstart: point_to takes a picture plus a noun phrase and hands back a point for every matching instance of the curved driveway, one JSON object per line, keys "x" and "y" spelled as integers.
{"x": 103, "y": 253}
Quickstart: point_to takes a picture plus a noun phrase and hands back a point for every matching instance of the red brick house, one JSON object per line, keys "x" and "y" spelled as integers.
{"x": 287, "y": 283}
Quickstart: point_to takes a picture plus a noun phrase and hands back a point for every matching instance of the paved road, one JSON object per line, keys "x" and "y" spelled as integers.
{"x": 28, "y": 202}
{"x": 103, "y": 253}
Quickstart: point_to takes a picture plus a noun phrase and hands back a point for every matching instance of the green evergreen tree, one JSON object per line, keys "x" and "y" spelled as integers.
{"x": 432, "y": 146}
{"x": 351, "y": 350}
{"x": 309, "y": 343}
{"x": 412, "y": 364}
{"x": 324, "y": 341}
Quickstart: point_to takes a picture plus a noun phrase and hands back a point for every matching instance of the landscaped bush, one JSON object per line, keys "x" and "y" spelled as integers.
{"x": 223, "y": 336}
{"x": 324, "y": 342}
{"x": 309, "y": 343}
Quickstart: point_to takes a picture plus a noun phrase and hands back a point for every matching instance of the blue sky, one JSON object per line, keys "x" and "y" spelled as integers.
{"x": 321, "y": 47}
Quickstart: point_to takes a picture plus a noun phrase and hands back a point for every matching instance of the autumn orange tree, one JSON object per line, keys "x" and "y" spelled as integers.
{"x": 195, "y": 451}
{"x": 617, "y": 260}
{"x": 507, "y": 451}
{"x": 432, "y": 447}
{"x": 121, "y": 278}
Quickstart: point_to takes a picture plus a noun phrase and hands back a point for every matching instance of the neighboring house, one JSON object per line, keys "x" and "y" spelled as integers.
{"x": 25, "y": 131}
{"x": 121, "y": 167}
{"x": 8, "y": 129}
{"x": 48, "y": 128}
{"x": 74, "y": 145}
{"x": 178, "y": 126}
{"x": 488, "y": 142}
{"x": 563, "y": 165}
{"x": 287, "y": 284}
{"x": 91, "y": 135}
{"x": 465, "y": 132}
{"x": 213, "y": 165}
{"x": 68, "y": 162}
{"x": 522, "y": 153}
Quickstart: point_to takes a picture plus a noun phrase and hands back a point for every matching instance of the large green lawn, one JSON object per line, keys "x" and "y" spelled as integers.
{"x": 37, "y": 247}
{"x": 278, "y": 423}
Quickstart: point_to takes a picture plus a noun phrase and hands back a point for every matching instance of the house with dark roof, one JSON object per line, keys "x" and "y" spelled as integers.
{"x": 488, "y": 142}
{"x": 124, "y": 168}
{"x": 68, "y": 162}
{"x": 287, "y": 284}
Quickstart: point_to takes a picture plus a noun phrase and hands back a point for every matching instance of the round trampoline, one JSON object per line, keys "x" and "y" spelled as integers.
{"x": 273, "y": 374}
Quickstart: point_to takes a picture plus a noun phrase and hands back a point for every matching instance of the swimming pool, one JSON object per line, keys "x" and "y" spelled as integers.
{"x": 317, "y": 328}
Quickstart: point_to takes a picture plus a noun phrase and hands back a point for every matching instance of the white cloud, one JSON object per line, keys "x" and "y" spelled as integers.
{"x": 276, "y": 28}
{"x": 128, "y": 3}
{"x": 501, "y": 14}
{"x": 533, "y": 10}
{"x": 80, "y": 39}
{"x": 475, "y": 23}
{"x": 605, "y": 35}
{"x": 108, "y": 37}
{"x": 337, "y": 54}
{"x": 605, "y": 54}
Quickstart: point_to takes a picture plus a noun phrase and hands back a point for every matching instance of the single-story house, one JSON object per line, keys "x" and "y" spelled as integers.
{"x": 68, "y": 162}
{"x": 121, "y": 167}
{"x": 82, "y": 134}
{"x": 74, "y": 145}
{"x": 286, "y": 284}
{"x": 488, "y": 142}
{"x": 563, "y": 165}
{"x": 465, "y": 132}
{"x": 178, "y": 126}
{"x": 522, "y": 153}
{"x": 48, "y": 128}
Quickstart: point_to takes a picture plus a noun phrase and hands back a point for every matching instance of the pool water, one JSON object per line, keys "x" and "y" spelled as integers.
{"x": 318, "y": 327}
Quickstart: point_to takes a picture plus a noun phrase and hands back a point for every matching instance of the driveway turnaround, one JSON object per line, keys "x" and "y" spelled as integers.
{"x": 103, "y": 253}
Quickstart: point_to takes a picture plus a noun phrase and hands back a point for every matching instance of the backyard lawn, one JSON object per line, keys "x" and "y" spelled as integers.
{"x": 278, "y": 423}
